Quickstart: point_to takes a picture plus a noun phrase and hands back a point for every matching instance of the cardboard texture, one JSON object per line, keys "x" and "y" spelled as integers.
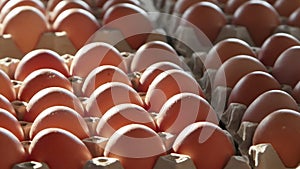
{"x": 174, "y": 161}
{"x": 9, "y": 65}
{"x": 219, "y": 99}
{"x": 8, "y": 48}
{"x": 96, "y": 145}
{"x": 31, "y": 165}
{"x": 77, "y": 83}
{"x": 238, "y": 162}
{"x": 294, "y": 31}
{"x": 103, "y": 163}
{"x": 26, "y": 126}
{"x": 245, "y": 135}
{"x": 20, "y": 108}
{"x": 206, "y": 82}
{"x": 168, "y": 139}
{"x": 92, "y": 123}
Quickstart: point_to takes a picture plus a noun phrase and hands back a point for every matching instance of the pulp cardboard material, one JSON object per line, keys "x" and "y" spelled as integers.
{"x": 240, "y": 162}
{"x": 77, "y": 83}
{"x": 92, "y": 123}
{"x": 103, "y": 163}
{"x": 9, "y": 65}
{"x": 31, "y": 165}
{"x": 245, "y": 135}
{"x": 20, "y": 108}
{"x": 174, "y": 161}
{"x": 96, "y": 145}
{"x": 8, "y": 48}
{"x": 26, "y": 126}
{"x": 294, "y": 31}
{"x": 219, "y": 99}
{"x": 168, "y": 139}
{"x": 206, "y": 82}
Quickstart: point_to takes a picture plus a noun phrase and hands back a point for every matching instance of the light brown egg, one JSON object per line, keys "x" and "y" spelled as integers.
{"x": 101, "y": 75}
{"x": 206, "y": 143}
{"x": 182, "y": 110}
{"x": 262, "y": 23}
{"x": 108, "y": 4}
{"x": 51, "y": 96}
{"x": 153, "y": 52}
{"x": 11, "y": 123}
{"x": 296, "y": 92}
{"x": 286, "y": 7}
{"x": 110, "y": 94}
{"x": 72, "y": 20}
{"x": 267, "y": 103}
{"x": 232, "y": 70}
{"x": 226, "y": 49}
{"x": 122, "y": 115}
{"x": 26, "y": 35}
{"x": 7, "y": 89}
{"x": 294, "y": 19}
{"x": 40, "y": 79}
{"x": 281, "y": 129}
{"x": 231, "y": 6}
{"x": 135, "y": 146}
{"x": 51, "y": 4}
{"x": 6, "y": 105}
{"x": 59, "y": 149}
{"x": 38, "y": 59}
{"x": 274, "y": 46}
{"x": 124, "y": 17}
{"x": 166, "y": 85}
{"x": 206, "y": 18}
{"x": 152, "y": 71}
{"x": 2, "y": 3}
{"x": 93, "y": 55}
{"x": 249, "y": 87}
{"x": 286, "y": 67}
{"x": 182, "y": 5}
{"x": 11, "y": 150}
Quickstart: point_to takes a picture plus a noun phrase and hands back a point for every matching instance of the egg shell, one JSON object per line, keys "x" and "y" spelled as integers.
{"x": 232, "y": 5}
{"x": 294, "y": 18}
{"x": 122, "y": 115}
{"x": 93, "y": 55}
{"x": 10, "y": 122}
{"x": 51, "y": 4}
{"x": 267, "y": 103}
{"x": 206, "y": 144}
{"x": 182, "y": 5}
{"x": 166, "y": 85}
{"x": 111, "y": 3}
{"x": 135, "y": 146}
{"x": 110, "y": 94}
{"x": 101, "y": 75}
{"x": 6, "y": 105}
{"x": 59, "y": 149}
{"x": 296, "y": 92}
{"x": 38, "y": 59}
{"x": 281, "y": 129}
{"x": 6, "y": 88}
{"x": 40, "y": 79}
{"x": 286, "y": 7}
{"x": 182, "y": 110}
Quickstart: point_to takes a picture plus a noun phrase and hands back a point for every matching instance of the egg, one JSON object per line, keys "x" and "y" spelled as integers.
{"x": 286, "y": 67}
{"x": 166, "y": 85}
{"x": 11, "y": 150}
{"x": 281, "y": 129}
{"x": 294, "y": 18}
{"x": 26, "y": 35}
{"x": 152, "y": 71}
{"x": 38, "y": 59}
{"x": 182, "y": 110}
{"x": 51, "y": 4}
{"x": 110, "y": 94}
{"x": 59, "y": 149}
{"x": 72, "y": 20}
{"x": 108, "y": 4}
{"x": 51, "y": 96}
{"x": 135, "y": 146}
{"x": 124, "y": 17}
{"x": 274, "y": 46}
{"x": 182, "y": 5}
{"x": 2, "y": 3}
{"x": 7, "y": 89}
{"x": 226, "y": 49}
{"x": 6, "y": 105}
{"x": 249, "y": 87}
{"x": 262, "y": 23}
{"x": 153, "y": 52}
{"x": 296, "y": 92}
{"x": 103, "y": 74}
{"x": 206, "y": 144}
{"x": 40, "y": 79}
{"x": 267, "y": 103}
{"x": 122, "y": 115}
{"x": 232, "y": 70}
{"x": 231, "y": 6}
{"x": 206, "y": 18}
{"x": 286, "y": 7}
{"x": 93, "y": 55}
{"x": 10, "y": 122}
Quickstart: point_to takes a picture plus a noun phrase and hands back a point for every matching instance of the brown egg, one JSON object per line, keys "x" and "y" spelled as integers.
{"x": 294, "y": 18}
{"x": 232, "y": 70}
{"x": 26, "y": 35}
{"x": 7, "y": 89}
{"x": 111, "y": 3}
{"x": 6, "y": 105}
{"x": 226, "y": 49}
{"x": 124, "y": 17}
{"x": 11, "y": 123}
{"x": 166, "y": 85}
{"x": 122, "y": 115}
{"x": 72, "y": 20}
{"x": 11, "y": 150}
{"x": 274, "y": 46}
{"x": 51, "y": 4}
{"x": 286, "y": 67}
{"x": 206, "y": 18}
{"x": 2, "y": 3}
{"x": 206, "y": 143}
{"x": 135, "y": 146}
{"x": 38, "y": 59}
{"x": 271, "y": 1}
{"x": 296, "y": 92}
{"x": 249, "y": 87}
{"x": 51, "y": 96}
{"x": 110, "y": 94}
{"x": 153, "y": 52}
{"x": 40, "y": 79}
{"x": 262, "y": 23}
{"x": 152, "y": 71}
{"x": 59, "y": 149}
{"x": 286, "y": 7}
{"x": 231, "y": 6}
{"x": 281, "y": 129}
{"x": 101, "y": 75}
{"x": 267, "y": 103}
{"x": 182, "y": 110}
{"x": 182, "y": 5}
{"x": 93, "y": 55}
